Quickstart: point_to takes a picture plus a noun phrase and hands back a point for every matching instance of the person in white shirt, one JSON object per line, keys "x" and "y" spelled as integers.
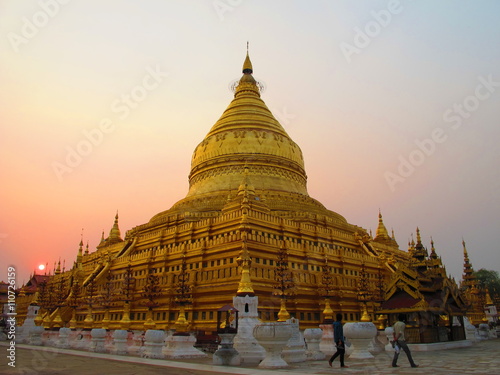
{"x": 399, "y": 337}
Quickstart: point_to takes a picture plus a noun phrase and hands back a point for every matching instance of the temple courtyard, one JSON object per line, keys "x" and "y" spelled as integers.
{"x": 481, "y": 358}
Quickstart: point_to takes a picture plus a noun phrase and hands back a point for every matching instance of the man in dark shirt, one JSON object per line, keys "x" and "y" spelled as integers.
{"x": 338, "y": 337}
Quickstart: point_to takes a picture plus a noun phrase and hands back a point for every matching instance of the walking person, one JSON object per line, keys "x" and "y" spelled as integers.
{"x": 338, "y": 337}
{"x": 399, "y": 338}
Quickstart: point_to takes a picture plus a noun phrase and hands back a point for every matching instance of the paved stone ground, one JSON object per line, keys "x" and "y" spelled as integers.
{"x": 481, "y": 358}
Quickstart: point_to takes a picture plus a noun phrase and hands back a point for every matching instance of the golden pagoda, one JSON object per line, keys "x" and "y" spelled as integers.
{"x": 472, "y": 292}
{"x": 247, "y": 226}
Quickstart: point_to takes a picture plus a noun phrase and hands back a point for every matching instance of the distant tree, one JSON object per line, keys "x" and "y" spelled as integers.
{"x": 491, "y": 280}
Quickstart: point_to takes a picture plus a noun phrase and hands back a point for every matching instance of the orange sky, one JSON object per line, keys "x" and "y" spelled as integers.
{"x": 153, "y": 78}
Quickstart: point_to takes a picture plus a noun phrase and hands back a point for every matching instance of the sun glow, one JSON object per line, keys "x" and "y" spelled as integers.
{"x": 41, "y": 267}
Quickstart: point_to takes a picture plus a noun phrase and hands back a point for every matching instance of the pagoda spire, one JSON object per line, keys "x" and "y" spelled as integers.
{"x": 433, "y": 250}
{"x": 245, "y": 287}
{"x": 469, "y": 280}
{"x": 420, "y": 251}
{"x": 247, "y": 83}
{"x": 381, "y": 232}
{"x": 247, "y": 64}
{"x": 114, "y": 233}
{"x": 80, "y": 253}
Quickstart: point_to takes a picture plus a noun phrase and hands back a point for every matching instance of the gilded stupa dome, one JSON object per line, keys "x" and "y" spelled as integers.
{"x": 248, "y": 143}
{"x": 247, "y": 135}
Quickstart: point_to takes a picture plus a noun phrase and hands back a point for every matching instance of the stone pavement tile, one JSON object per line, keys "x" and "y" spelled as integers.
{"x": 482, "y": 359}
{"x": 57, "y": 362}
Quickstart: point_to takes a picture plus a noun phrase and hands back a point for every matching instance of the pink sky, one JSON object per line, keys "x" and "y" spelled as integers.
{"x": 157, "y": 75}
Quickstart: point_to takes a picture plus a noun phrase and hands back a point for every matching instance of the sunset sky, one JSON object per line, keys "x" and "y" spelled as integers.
{"x": 395, "y": 105}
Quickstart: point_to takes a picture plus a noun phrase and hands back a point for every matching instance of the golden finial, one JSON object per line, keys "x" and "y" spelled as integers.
{"x": 365, "y": 317}
{"x": 80, "y": 248}
{"x": 419, "y": 239}
{"x": 283, "y": 314}
{"x": 247, "y": 85}
{"x": 381, "y": 232}
{"x": 244, "y": 261}
{"x": 87, "y": 249}
{"x": 246, "y": 186}
{"x": 328, "y": 312}
{"x": 247, "y": 65}
{"x": 433, "y": 250}
{"x": 114, "y": 233}
{"x": 410, "y": 246}
{"x": 488, "y": 298}
{"x": 465, "y": 248}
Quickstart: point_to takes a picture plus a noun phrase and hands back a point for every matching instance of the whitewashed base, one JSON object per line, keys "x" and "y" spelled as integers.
{"x": 313, "y": 337}
{"x": 35, "y": 336}
{"x": 98, "y": 338}
{"x": 182, "y": 347}
{"x": 153, "y": 344}
{"x": 326, "y": 344}
{"x": 226, "y": 355}
{"x": 295, "y": 350}
{"x": 63, "y": 340}
{"x": 251, "y": 352}
{"x": 120, "y": 346}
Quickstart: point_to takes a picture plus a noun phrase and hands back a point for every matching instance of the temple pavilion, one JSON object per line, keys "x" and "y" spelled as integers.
{"x": 431, "y": 301}
{"x": 247, "y": 226}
